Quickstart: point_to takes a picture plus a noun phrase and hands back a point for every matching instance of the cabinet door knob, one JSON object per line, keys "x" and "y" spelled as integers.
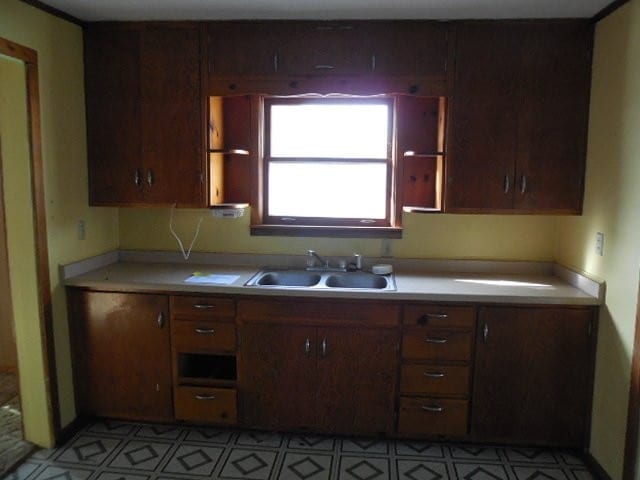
{"x": 523, "y": 184}
{"x": 485, "y": 333}
{"x": 324, "y": 347}
{"x": 433, "y": 408}
{"x": 160, "y": 320}
{"x": 373, "y": 62}
{"x": 307, "y": 347}
{"x": 203, "y": 306}
{"x": 150, "y": 178}
{"x": 424, "y": 319}
{"x": 204, "y": 331}
{"x": 507, "y": 183}
{"x": 275, "y": 62}
{"x": 438, "y": 340}
{"x": 205, "y": 397}
{"x": 136, "y": 178}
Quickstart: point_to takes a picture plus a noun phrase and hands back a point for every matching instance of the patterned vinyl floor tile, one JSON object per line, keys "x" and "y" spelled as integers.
{"x": 114, "y": 450}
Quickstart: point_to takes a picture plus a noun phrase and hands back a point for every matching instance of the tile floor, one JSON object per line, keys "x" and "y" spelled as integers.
{"x": 109, "y": 450}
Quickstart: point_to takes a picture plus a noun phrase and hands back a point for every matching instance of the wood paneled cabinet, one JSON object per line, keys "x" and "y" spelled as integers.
{"x": 518, "y": 120}
{"x": 122, "y": 354}
{"x": 301, "y": 376}
{"x": 145, "y": 124}
{"x": 533, "y": 370}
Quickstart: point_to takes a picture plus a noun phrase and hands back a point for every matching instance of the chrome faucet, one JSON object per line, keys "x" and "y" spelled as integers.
{"x": 312, "y": 254}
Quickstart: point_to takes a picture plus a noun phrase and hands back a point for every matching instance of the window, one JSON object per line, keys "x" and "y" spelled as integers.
{"x": 328, "y": 161}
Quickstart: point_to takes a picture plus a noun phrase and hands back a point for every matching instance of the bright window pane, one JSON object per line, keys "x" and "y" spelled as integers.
{"x": 330, "y": 130}
{"x": 339, "y": 190}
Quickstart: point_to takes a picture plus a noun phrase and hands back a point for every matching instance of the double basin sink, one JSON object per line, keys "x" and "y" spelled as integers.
{"x": 316, "y": 280}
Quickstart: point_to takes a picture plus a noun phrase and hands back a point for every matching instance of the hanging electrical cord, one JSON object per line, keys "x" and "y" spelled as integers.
{"x": 175, "y": 235}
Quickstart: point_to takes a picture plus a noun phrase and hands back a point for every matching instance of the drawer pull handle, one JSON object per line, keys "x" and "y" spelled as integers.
{"x": 433, "y": 408}
{"x": 307, "y": 347}
{"x": 434, "y": 374}
{"x": 204, "y": 331}
{"x": 424, "y": 319}
{"x": 435, "y": 340}
{"x": 205, "y": 397}
{"x": 203, "y": 306}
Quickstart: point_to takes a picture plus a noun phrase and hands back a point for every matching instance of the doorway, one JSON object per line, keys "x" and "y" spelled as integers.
{"x": 28, "y": 388}
{"x": 12, "y": 445}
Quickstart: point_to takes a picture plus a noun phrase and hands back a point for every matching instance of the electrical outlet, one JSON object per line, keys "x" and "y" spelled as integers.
{"x": 600, "y": 243}
{"x": 82, "y": 230}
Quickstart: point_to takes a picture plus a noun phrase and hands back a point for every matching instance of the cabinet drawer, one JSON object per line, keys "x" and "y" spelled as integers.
{"x": 205, "y": 308}
{"x": 199, "y": 336}
{"x": 433, "y": 344}
{"x": 206, "y": 405}
{"x": 433, "y": 416}
{"x": 435, "y": 380}
{"x": 439, "y": 316}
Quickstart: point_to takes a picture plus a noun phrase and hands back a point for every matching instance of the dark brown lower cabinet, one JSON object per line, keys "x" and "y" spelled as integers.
{"x": 122, "y": 355}
{"x": 339, "y": 380}
{"x": 533, "y": 370}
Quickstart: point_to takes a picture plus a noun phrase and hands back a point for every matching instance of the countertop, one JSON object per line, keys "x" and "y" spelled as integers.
{"x": 535, "y": 284}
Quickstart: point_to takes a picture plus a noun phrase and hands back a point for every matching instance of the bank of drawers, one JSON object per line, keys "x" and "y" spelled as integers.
{"x": 437, "y": 349}
{"x": 203, "y": 342}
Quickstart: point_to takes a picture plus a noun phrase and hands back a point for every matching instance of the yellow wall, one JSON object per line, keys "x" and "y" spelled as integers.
{"x": 612, "y": 206}
{"x": 59, "y": 47}
{"x": 500, "y": 237}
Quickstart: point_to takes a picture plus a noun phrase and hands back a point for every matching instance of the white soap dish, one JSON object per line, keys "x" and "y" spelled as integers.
{"x": 382, "y": 269}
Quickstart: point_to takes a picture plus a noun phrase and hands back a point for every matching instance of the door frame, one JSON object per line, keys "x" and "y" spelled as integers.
{"x": 30, "y": 59}
{"x": 630, "y": 467}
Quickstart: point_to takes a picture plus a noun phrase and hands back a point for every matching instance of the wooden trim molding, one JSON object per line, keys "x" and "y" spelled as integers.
{"x": 630, "y": 468}
{"x": 30, "y": 58}
{"x": 608, "y": 10}
{"x": 54, "y": 11}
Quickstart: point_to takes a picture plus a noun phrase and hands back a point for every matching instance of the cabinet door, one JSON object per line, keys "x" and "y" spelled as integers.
{"x": 532, "y": 372}
{"x": 325, "y": 48}
{"x": 483, "y": 122}
{"x": 122, "y": 355}
{"x": 357, "y": 372}
{"x": 112, "y": 79}
{"x": 243, "y": 49}
{"x": 411, "y": 48}
{"x": 172, "y": 121}
{"x": 552, "y": 129}
{"x": 276, "y": 376}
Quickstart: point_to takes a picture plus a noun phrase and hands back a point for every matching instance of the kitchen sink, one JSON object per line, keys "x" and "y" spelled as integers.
{"x": 293, "y": 278}
{"x": 357, "y": 280}
{"x": 314, "y": 280}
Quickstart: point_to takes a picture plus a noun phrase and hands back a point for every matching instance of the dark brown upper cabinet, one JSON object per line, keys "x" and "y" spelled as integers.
{"x": 409, "y": 48}
{"x": 145, "y": 115}
{"x": 351, "y": 57}
{"x": 518, "y": 121}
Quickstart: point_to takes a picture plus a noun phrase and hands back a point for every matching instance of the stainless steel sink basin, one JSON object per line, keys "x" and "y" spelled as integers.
{"x": 357, "y": 280}
{"x": 300, "y": 278}
{"x": 319, "y": 280}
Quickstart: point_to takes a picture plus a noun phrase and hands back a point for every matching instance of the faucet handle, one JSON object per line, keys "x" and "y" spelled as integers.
{"x": 358, "y": 261}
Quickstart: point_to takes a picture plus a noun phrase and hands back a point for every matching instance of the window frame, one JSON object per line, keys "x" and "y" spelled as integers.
{"x": 329, "y": 222}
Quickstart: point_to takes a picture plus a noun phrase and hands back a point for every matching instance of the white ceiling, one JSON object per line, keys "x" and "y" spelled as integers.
{"x": 95, "y": 10}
